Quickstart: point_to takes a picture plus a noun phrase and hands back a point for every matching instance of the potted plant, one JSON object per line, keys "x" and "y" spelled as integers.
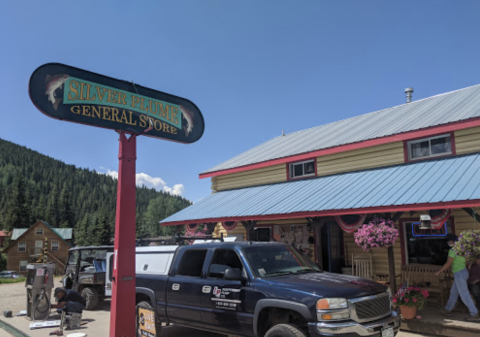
{"x": 410, "y": 301}
{"x": 468, "y": 244}
{"x": 378, "y": 233}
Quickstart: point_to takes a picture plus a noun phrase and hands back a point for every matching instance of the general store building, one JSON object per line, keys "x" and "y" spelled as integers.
{"x": 313, "y": 188}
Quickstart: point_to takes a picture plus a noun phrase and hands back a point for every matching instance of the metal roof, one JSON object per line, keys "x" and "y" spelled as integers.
{"x": 64, "y": 233}
{"x": 450, "y": 107}
{"x": 427, "y": 183}
{"x": 17, "y": 232}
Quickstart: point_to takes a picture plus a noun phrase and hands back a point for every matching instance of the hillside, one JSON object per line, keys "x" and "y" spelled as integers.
{"x": 36, "y": 187}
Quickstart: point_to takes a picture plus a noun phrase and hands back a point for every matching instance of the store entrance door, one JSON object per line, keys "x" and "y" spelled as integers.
{"x": 332, "y": 247}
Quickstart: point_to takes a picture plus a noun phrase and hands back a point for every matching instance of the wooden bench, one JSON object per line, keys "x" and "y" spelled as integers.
{"x": 423, "y": 276}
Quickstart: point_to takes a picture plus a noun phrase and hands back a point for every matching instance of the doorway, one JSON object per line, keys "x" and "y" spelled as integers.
{"x": 332, "y": 255}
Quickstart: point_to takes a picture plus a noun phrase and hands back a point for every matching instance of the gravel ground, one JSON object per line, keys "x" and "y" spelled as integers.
{"x": 13, "y": 296}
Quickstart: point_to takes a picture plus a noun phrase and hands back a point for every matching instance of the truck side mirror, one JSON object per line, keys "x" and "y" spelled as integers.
{"x": 234, "y": 274}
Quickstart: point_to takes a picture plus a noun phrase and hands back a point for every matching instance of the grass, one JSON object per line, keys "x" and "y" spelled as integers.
{"x": 12, "y": 280}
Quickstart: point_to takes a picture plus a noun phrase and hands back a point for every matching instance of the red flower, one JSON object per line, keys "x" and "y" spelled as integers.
{"x": 414, "y": 300}
{"x": 406, "y": 299}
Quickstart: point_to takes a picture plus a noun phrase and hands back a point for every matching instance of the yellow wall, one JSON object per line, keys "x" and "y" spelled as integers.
{"x": 371, "y": 157}
{"x": 468, "y": 140}
{"x": 266, "y": 175}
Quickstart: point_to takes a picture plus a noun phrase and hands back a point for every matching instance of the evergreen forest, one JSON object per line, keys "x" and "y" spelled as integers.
{"x": 36, "y": 187}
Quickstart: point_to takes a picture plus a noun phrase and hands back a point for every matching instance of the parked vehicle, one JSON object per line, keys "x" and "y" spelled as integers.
{"x": 255, "y": 289}
{"x": 85, "y": 273}
{"x": 9, "y": 274}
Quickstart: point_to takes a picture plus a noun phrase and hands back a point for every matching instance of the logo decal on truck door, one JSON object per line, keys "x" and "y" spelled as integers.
{"x": 175, "y": 286}
{"x": 206, "y": 289}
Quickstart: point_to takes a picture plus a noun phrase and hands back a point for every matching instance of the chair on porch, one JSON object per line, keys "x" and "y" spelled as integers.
{"x": 362, "y": 265}
{"x": 423, "y": 276}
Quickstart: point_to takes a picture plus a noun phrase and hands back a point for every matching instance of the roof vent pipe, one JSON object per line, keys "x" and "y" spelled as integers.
{"x": 409, "y": 91}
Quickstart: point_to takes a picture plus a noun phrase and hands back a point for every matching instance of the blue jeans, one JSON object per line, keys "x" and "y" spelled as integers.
{"x": 460, "y": 287}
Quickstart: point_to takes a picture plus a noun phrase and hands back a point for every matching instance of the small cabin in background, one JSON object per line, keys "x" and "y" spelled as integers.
{"x": 40, "y": 242}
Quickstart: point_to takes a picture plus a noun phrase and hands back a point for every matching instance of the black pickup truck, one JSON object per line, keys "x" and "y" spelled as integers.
{"x": 255, "y": 289}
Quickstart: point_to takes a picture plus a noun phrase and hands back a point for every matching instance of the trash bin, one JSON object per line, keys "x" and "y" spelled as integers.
{"x": 39, "y": 286}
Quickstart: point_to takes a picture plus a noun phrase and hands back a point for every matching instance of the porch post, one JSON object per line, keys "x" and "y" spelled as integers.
{"x": 249, "y": 226}
{"x": 391, "y": 260}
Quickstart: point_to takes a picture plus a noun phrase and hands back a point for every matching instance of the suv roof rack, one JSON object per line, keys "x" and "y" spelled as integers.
{"x": 179, "y": 240}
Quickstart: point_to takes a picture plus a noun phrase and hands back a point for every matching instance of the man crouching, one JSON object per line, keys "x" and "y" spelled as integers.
{"x": 69, "y": 300}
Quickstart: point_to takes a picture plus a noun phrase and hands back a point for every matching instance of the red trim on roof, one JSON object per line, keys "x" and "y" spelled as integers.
{"x": 355, "y": 146}
{"x": 369, "y": 210}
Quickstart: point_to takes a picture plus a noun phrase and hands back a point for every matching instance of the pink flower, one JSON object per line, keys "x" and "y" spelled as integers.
{"x": 406, "y": 300}
{"x": 394, "y": 300}
{"x": 418, "y": 317}
{"x": 414, "y": 300}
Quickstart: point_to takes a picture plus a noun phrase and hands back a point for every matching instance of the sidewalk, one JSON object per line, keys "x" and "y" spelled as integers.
{"x": 435, "y": 323}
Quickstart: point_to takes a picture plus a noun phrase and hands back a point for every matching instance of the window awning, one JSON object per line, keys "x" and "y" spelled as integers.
{"x": 452, "y": 182}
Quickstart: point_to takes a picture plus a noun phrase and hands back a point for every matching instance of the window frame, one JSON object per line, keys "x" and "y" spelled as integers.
{"x": 304, "y": 176}
{"x": 403, "y": 235}
{"x": 20, "y": 265}
{"x": 39, "y": 229}
{"x": 408, "y": 151}
{"x": 215, "y": 251}
{"x": 57, "y": 244}
{"x": 24, "y": 247}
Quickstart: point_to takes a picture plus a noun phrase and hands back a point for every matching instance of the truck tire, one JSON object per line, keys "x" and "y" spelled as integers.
{"x": 91, "y": 296}
{"x": 285, "y": 330}
{"x": 145, "y": 305}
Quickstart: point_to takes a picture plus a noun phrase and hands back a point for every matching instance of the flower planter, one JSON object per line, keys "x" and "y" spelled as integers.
{"x": 408, "y": 312}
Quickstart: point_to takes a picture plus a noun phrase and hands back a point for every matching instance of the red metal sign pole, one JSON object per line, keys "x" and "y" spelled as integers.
{"x": 122, "y": 309}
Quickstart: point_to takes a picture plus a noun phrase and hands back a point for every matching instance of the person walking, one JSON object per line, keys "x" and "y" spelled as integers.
{"x": 460, "y": 286}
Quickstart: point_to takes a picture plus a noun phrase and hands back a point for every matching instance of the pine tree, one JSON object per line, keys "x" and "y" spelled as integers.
{"x": 17, "y": 212}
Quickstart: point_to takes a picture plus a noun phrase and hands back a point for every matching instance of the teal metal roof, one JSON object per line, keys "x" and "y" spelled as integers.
{"x": 427, "y": 184}
{"x": 17, "y": 232}
{"x": 64, "y": 233}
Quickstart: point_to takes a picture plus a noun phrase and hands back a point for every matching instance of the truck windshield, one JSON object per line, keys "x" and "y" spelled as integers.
{"x": 269, "y": 261}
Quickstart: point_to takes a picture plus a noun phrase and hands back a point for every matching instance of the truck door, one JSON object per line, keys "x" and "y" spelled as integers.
{"x": 184, "y": 288}
{"x": 108, "y": 275}
{"x": 224, "y": 301}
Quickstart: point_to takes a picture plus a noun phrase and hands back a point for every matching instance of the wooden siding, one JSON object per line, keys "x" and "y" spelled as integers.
{"x": 376, "y": 156}
{"x": 266, "y": 175}
{"x": 467, "y": 140}
{"x": 29, "y": 237}
{"x": 367, "y": 158}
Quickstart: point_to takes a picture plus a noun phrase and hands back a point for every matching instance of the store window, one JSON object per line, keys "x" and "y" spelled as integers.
{"x": 301, "y": 169}
{"x": 262, "y": 234}
{"x": 426, "y": 246}
{"x": 429, "y": 147}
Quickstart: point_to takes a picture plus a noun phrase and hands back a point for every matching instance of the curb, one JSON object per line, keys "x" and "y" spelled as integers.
{"x": 426, "y": 327}
{"x": 12, "y": 330}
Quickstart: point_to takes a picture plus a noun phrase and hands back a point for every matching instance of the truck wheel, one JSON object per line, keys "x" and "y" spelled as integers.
{"x": 145, "y": 305}
{"x": 91, "y": 296}
{"x": 285, "y": 330}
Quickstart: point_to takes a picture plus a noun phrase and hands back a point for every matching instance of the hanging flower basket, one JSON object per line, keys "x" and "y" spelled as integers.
{"x": 191, "y": 228}
{"x": 229, "y": 225}
{"x": 468, "y": 244}
{"x": 378, "y": 233}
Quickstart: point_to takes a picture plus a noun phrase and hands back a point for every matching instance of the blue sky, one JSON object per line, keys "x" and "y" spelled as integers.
{"x": 254, "y": 68}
